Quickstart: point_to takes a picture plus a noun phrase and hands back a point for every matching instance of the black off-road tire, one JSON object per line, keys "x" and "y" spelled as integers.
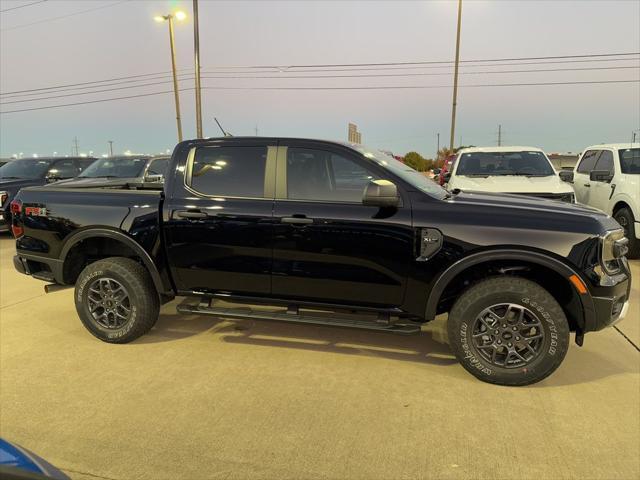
{"x": 463, "y": 318}
{"x": 143, "y": 303}
{"x": 624, "y": 217}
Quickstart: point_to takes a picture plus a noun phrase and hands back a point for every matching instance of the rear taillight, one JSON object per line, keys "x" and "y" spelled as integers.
{"x": 16, "y": 209}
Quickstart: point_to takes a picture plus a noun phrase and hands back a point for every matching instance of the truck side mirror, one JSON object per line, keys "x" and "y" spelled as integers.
{"x": 566, "y": 176}
{"x": 381, "y": 193}
{"x": 447, "y": 176}
{"x": 600, "y": 176}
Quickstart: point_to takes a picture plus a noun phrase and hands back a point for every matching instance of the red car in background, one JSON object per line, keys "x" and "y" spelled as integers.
{"x": 447, "y": 167}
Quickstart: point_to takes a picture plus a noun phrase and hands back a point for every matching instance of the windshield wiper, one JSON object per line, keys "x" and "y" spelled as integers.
{"x": 525, "y": 174}
{"x": 11, "y": 178}
{"x": 100, "y": 176}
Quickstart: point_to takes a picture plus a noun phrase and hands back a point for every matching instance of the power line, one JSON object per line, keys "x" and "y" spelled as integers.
{"x": 554, "y": 57}
{"x": 329, "y": 70}
{"x": 250, "y": 77}
{"x": 51, "y": 19}
{"x": 385, "y": 87}
{"x": 22, "y": 6}
{"x": 89, "y": 93}
{"x": 420, "y": 87}
{"x": 312, "y": 77}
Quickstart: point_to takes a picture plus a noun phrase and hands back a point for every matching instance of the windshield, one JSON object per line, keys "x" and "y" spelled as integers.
{"x": 408, "y": 174}
{"x": 484, "y": 164}
{"x": 129, "y": 167}
{"x": 30, "y": 168}
{"x": 630, "y": 160}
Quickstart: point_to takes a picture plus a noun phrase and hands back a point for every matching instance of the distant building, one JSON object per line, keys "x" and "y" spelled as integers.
{"x": 562, "y": 161}
{"x": 354, "y": 135}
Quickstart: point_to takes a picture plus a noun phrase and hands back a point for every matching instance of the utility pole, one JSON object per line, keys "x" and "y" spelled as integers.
{"x": 111, "y": 148}
{"x": 455, "y": 77}
{"x": 175, "y": 77}
{"x": 256, "y": 129}
{"x": 499, "y": 135}
{"x": 75, "y": 146}
{"x": 438, "y": 149}
{"x": 196, "y": 55}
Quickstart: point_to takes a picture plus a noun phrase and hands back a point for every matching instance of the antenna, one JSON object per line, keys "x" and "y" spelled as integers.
{"x": 226, "y": 134}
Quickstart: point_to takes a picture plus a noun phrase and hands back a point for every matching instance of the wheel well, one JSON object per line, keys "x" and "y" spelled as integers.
{"x": 91, "y": 250}
{"x": 557, "y": 285}
{"x": 620, "y": 205}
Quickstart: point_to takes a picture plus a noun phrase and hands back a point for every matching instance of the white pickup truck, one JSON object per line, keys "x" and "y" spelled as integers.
{"x": 607, "y": 177}
{"x": 518, "y": 170}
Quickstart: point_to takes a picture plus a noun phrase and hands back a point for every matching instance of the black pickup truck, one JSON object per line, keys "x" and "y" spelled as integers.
{"x": 336, "y": 234}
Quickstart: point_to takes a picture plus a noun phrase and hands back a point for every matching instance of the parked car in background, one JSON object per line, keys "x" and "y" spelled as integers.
{"x": 517, "y": 170}
{"x": 122, "y": 169}
{"x": 446, "y": 167}
{"x": 31, "y": 172}
{"x": 321, "y": 231}
{"x": 4, "y": 161}
{"x": 607, "y": 177}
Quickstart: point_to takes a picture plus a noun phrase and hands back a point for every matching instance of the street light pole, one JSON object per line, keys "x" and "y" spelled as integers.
{"x": 455, "y": 77}
{"x": 175, "y": 77}
{"x": 169, "y": 17}
{"x": 196, "y": 53}
{"x": 111, "y": 148}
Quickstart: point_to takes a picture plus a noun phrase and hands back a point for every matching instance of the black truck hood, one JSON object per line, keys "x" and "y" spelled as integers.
{"x": 511, "y": 201}
{"x": 15, "y": 184}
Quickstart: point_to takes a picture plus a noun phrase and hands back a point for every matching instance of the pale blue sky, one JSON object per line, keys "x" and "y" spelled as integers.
{"x": 122, "y": 39}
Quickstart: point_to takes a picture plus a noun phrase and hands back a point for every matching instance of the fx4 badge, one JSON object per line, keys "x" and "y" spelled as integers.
{"x": 35, "y": 211}
{"x": 430, "y": 243}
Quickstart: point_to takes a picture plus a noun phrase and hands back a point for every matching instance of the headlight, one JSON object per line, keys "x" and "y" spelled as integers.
{"x": 614, "y": 247}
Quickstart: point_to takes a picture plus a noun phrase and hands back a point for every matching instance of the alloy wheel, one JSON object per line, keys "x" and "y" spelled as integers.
{"x": 109, "y": 303}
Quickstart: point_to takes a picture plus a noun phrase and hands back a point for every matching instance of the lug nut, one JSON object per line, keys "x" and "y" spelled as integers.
{"x": 499, "y": 341}
{"x": 517, "y": 338}
{"x": 509, "y": 344}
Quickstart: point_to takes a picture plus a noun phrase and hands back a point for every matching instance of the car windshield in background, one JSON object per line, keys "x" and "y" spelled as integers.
{"x": 30, "y": 168}
{"x": 408, "y": 174}
{"x": 630, "y": 160}
{"x": 485, "y": 164}
{"x": 129, "y": 167}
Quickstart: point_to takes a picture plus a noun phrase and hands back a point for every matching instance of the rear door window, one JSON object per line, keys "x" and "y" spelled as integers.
{"x": 158, "y": 167}
{"x": 229, "y": 171}
{"x": 64, "y": 169}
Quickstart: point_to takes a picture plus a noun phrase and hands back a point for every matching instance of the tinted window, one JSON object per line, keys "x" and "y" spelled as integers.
{"x": 64, "y": 169}
{"x": 630, "y": 160}
{"x": 504, "y": 163}
{"x": 322, "y": 175}
{"x": 229, "y": 171}
{"x": 27, "y": 168}
{"x": 127, "y": 167}
{"x": 158, "y": 167}
{"x": 605, "y": 161}
{"x": 588, "y": 161}
{"x": 85, "y": 162}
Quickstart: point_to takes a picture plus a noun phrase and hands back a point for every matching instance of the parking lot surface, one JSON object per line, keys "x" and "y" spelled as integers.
{"x": 200, "y": 397}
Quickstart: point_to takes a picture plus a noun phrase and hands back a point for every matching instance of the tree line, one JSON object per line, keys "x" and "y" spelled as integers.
{"x": 421, "y": 164}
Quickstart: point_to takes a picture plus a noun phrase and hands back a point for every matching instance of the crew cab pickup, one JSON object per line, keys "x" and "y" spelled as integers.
{"x": 320, "y": 232}
{"x": 607, "y": 177}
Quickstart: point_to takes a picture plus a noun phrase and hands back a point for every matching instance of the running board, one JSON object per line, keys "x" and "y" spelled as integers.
{"x": 293, "y": 315}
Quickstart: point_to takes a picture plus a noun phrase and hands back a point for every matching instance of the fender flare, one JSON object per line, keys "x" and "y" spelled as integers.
{"x": 121, "y": 237}
{"x": 509, "y": 254}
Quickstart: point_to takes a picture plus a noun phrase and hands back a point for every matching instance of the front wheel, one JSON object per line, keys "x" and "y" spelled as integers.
{"x": 116, "y": 300}
{"x": 624, "y": 217}
{"x": 508, "y": 331}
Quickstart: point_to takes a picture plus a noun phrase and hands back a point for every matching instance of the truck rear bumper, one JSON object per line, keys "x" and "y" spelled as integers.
{"x": 42, "y": 268}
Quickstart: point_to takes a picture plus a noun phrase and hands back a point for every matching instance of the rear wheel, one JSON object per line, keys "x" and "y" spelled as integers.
{"x": 624, "y": 217}
{"x": 116, "y": 300}
{"x": 508, "y": 331}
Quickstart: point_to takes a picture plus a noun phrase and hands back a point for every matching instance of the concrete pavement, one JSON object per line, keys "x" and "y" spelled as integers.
{"x": 202, "y": 398}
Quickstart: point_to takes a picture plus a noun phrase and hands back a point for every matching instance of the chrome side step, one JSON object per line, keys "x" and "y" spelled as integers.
{"x": 292, "y": 314}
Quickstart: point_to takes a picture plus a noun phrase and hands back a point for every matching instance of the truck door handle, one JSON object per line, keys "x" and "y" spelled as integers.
{"x": 297, "y": 220}
{"x": 587, "y": 184}
{"x": 191, "y": 214}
